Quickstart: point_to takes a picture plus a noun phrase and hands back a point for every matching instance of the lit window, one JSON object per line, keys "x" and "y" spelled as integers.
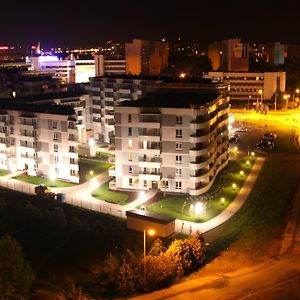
{"x": 145, "y": 183}
{"x": 178, "y": 172}
{"x": 129, "y": 144}
{"x": 129, "y": 156}
{"x": 179, "y": 133}
{"x": 55, "y": 136}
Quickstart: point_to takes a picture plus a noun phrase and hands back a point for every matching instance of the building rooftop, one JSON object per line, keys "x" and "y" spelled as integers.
{"x": 146, "y": 215}
{"x": 37, "y": 108}
{"x": 172, "y": 100}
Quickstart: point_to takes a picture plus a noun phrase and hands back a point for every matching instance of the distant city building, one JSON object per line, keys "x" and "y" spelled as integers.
{"x": 246, "y": 86}
{"x": 174, "y": 139}
{"x": 105, "y": 66}
{"x": 279, "y": 54}
{"x": 214, "y": 53}
{"x": 39, "y": 139}
{"x": 146, "y": 57}
{"x": 235, "y": 56}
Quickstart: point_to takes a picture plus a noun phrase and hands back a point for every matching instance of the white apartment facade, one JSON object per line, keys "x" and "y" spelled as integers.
{"x": 41, "y": 142}
{"x": 176, "y": 148}
{"x": 247, "y": 86}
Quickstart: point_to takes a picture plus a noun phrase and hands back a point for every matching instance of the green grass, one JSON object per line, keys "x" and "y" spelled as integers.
{"x": 89, "y": 168}
{"x": 3, "y": 172}
{"x": 104, "y": 154}
{"x": 40, "y": 180}
{"x": 180, "y": 206}
{"x": 258, "y": 220}
{"x": 103, "y": 193}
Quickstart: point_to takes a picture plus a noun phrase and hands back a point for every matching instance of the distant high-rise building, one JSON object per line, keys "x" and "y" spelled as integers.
{"x": 278, "y": 54}
{"x": 214, "y": 53}
{"x": 235, "y": 56}
{"x": 146, "y": 57}
{"x": 104, "y": 66}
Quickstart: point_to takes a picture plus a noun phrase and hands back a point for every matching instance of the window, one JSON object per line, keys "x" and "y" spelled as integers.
{"x": 129, "y": 144}
{"x": 36, "y": 167}
{"x": 56, "y": 159}
{"x": 56, "y": 171}
{"x": 129, "y": 156}
{"x": 166, "y": 184}
{"x": 72, "y": 172}
{"x": 129, "y": 118}
{"x": 11, "y": 130}
{"x": 178, "y": 119}
{"x": 178, "y": 185}
{"x": 130, "y": 170}
{"x": 55, "y": 136}
{"x": 179, "y": 133}
{"x": 54, "y": 124}
{"x": 72, "y": 149}
{"x": 178, "y": 159}
{"x": 178, "y": 172}
{"x": 129, "y": 131}
{"x": 55, "y": 148}
{"x": 145, "y": 183}
{"x": 72, "y": 161}
{"x": 178, "y": 146}
{"x": 130, "y": 182}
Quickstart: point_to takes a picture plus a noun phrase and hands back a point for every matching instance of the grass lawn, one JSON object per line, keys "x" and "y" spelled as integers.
{"x": 101, "y": 154}
{"x": 180, "y": 206}
{"x": 89, "y": 168}
{"x": 3, "y": 172}
{"x": 103, "y": 193}
{"x": 40, "y": 180}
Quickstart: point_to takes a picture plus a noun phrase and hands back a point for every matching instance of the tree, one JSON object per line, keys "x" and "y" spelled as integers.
{"x": 157, "y": 248}
{"x": 16, "y": 275}
{"x": 189, "y": 254}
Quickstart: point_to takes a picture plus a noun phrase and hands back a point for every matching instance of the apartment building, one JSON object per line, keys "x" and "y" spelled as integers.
{"x": 40, "y": 139}
{"x": 174, "y": 139}
{"x": 106, "y": 66}
{"x": 251, "y": 87}
{"x": 106, "y": 93}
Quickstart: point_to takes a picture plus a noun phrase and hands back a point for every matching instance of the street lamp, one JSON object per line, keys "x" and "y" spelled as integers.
{"x": 286, "y": 98}
{"x": 249, "y": 100}
{"x": 295, "y": 92}
{"x": 261, "y": 95}
{"x": 242, "y": 173}
{"x": 234, "y": 186}
{"x": 222, "y": 200}
{"x": 151, "y": 232}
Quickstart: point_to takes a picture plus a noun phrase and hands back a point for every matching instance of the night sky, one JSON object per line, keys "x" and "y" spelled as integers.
{"x": 63, "y": 23}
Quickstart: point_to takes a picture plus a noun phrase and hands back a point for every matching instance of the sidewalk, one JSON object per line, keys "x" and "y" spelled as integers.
{"x": 187, "y": 227}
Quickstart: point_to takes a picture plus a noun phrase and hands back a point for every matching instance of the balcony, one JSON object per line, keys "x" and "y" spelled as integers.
{"x": 112, "y": 171}
{"x": 155, "y": 176}
{"x": 150, "y": 162}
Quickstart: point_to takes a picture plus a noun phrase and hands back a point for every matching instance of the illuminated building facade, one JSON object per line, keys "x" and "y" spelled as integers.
{"x": 246, "y": 86}
{"x": 106, "y": 93}
{"x": 146, "y": 57}
{"x": 174, "y": 139}
{"x": 39, "y": 139}
{"x": 105, "y": 66}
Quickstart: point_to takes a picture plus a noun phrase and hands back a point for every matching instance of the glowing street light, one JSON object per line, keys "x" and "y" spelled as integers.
{"x": 242, "y": 173}
{"x": 91, "y": 172}
{"x": 261, "y": 95}
{"x": 235, "y": 149}
{"x": 199, "y": 208}
{"x": 234, "y": 186}
{"x": 182, "y": 75}
{"x": 247, "y": 162}
{"x": 286, "y": 98}
{"x": 222, "y": 200}
{"x": 52, "y": 176}
{"x": 252, "y": 154}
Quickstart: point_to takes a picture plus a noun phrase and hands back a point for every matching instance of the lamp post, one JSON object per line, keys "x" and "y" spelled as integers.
{"x": 261, "y": 95}
{"x": 151, "y": 232}
{"x": 286, "y": 98}
{"x": 295, "y": 92}
{"x": 249, "y": 100}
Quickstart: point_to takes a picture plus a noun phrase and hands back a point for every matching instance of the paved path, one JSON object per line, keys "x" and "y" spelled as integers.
{"x": 190, "y": 227}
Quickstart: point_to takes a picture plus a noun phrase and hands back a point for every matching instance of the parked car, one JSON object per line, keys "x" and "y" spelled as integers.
{"x": 265, "y": 144}
{"x": 41, "y": 189}
{"x": 233, "y": 139}
{"x": 270, "y": 136}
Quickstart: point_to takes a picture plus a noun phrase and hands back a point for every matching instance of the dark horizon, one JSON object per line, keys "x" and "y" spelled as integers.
{"x": 70, "y": 25}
